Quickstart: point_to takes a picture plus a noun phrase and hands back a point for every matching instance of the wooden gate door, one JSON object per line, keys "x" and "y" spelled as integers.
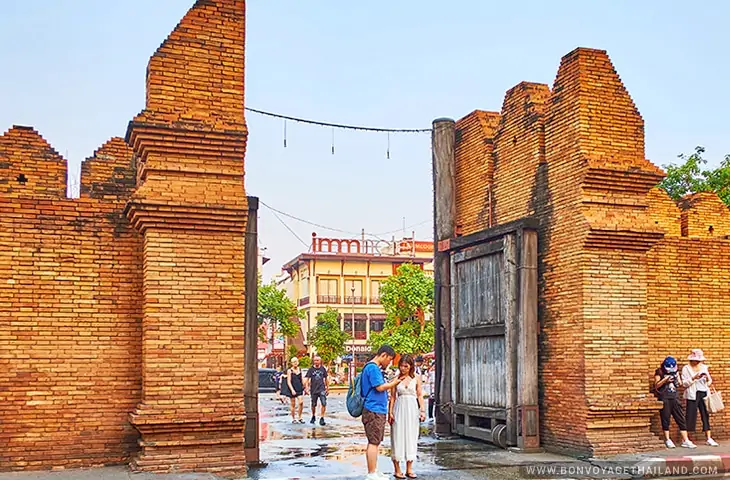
{"x": 494, "y": 335}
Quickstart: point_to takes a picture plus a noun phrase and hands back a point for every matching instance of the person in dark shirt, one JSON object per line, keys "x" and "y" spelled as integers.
{"x": 318, "y": 386}
{"x": 666, "y": 385}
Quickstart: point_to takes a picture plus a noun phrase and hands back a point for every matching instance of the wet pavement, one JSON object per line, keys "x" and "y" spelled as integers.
{"x": 336, "y": 450}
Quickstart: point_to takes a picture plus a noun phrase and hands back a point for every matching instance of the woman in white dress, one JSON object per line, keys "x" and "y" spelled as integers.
{"x": 405, "y": 412}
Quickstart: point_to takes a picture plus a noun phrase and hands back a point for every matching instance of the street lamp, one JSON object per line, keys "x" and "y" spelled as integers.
{"x": 352, "y": 372}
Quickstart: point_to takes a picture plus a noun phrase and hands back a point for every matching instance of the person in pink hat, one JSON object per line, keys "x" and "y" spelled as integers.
{"x": 697, "y": 380}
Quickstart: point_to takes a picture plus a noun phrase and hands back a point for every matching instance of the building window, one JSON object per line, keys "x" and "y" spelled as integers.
{"x": 328, "y": 291}
{"x": 377, "y": 323}
{"x": 353, "y": 292}
{"x": 375, "y": 292}
{"x": 361, "y": 321}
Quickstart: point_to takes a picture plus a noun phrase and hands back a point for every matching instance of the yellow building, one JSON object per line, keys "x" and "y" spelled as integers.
{"x": 345, "y": 274}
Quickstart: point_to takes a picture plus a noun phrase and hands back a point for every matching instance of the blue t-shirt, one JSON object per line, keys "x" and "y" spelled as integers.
{"x": 375, "y": 401}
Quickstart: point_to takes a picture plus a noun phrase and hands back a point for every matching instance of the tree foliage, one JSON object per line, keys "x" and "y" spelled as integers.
{"x": 327, "y": 337}
{"x": 407, "y": 293}
{"x": 410, "y": 336}
{"x": 278, "y": 310}
{"x": 406, "y": 297}
{"x": 691, "y": 177}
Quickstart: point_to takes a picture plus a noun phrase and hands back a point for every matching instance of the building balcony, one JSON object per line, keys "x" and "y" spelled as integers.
{"x": 355, "y": 300}
{"x": 328, "y": 299}
{"x": 303, "y": 301}
{"x": 361, "y": 335}
{"x": 375, "y": 300}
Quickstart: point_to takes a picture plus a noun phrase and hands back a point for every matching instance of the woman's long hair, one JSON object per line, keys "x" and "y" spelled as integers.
{"x": 407, "y": 359}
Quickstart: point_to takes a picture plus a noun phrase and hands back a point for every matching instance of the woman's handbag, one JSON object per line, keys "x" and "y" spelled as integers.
{"x": 713, "y": 401}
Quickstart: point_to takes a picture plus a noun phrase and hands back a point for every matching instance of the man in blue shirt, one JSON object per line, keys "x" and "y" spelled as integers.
{"x": 374, "y": 414}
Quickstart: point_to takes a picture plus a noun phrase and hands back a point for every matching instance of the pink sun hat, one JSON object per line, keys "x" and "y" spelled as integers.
{"x": 696, "y": 355}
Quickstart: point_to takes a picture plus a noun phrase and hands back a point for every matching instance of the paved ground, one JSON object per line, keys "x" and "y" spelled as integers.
{"x": 336, "y": 452}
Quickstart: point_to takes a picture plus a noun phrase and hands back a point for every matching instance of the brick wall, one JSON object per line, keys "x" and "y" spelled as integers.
{"x": 122, "y": 312}
{"x": 573, "y": 157}
{"x": 474, "y": 170}
{"x": 70, "y": 315}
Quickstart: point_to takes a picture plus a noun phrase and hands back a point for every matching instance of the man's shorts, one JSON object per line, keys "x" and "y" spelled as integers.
{"x": 374, "y": 426}
{"x": 321, "y": 397}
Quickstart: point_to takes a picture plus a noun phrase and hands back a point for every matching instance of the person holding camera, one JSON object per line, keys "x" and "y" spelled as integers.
{"x": 697, "y": 380}
{"x": 666, "y": 386}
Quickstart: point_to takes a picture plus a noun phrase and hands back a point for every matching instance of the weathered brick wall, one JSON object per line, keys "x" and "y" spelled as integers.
{"x": 123, "y": 310}
{"x": 70, "y": 311}
{"x": 574, "y": 158}
{"x": 474, "y": 170}
{"x": 519, "y": 147}
{"x": 689, "y": 300}
{"x": 29, "y": 165}
{"x": 190, "y": 205}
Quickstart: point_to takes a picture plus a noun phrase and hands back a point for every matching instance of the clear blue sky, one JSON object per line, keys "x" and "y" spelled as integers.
{"x": 75, "y": 70}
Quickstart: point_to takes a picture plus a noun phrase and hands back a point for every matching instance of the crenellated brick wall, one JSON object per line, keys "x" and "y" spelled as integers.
{"x": 122, "y": 311}
{"x": 620, "y": 263}
{"x": 70, "y": 310}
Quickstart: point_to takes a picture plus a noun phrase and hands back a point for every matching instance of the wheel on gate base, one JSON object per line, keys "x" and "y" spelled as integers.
{"x": 499, "y": 435}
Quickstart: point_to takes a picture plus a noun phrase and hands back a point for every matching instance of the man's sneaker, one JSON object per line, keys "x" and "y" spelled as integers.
{"x": 312, "y": 420}
{"x": 376, "y": 476}
{"x": 669, "y": 443}
{"x": 712, "y": 443}
{"x": 321, "y": 422}
{"x": 688, "y": 444}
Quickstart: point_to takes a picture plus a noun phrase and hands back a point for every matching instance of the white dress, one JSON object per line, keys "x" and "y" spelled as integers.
{"x": 406, "y": 427}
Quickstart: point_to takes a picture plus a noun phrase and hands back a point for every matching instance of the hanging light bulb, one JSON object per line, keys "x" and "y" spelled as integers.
{"x": 284, "y": 133}
{"x": 333, "y": 141}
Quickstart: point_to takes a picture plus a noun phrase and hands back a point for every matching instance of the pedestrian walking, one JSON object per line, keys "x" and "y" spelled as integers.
{"x": 318, "y": 386}
{"x": 697, "y": 380}
{"x": 295, "y": 391}
{"x": 666, "y": 385}
{"x": 405, "y": 412}
{"x": 278, "y": 375}
{"x": 429, "y": 387}
{"x": 374, "y": 391}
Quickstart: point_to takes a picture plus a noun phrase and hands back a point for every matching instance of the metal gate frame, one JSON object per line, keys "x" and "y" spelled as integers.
{"x": 517, "y": 424}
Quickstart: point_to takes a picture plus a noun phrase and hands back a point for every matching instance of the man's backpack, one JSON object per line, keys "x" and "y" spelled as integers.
{"x": 355, "y": 400}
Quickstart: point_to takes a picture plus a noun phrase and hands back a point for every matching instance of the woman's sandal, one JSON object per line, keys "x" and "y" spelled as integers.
{"x": 400, "y": 477}
{"x": 411, "y": 475}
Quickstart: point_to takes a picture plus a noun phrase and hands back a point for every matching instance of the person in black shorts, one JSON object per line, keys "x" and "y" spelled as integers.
{"x": 666, "y": 385}
{"x": 294, "y": 389}
{"x": 318, "y": 386}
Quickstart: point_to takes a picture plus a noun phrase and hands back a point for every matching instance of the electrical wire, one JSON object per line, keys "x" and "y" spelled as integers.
{"x": 338, "y": 125}
{"x": 287, "y": 227}
{"x": 339, "y": 230}
{"x": 324, "y": 227}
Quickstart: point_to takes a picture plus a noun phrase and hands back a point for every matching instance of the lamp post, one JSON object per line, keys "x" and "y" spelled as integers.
{"x": 352, "y": 321}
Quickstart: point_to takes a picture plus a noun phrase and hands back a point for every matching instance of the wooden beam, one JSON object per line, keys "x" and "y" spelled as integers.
{"x": 250, "y": 359}
{"x": 443, "y": 141}
{"x": 495, "y": 330}
{"x": 483, "y": 236}
{"x": 510, "y": 293}
{"x": 527, "y": 382}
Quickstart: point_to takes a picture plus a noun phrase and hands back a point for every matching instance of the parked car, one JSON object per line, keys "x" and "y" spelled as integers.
{"x": 266, "y": 380}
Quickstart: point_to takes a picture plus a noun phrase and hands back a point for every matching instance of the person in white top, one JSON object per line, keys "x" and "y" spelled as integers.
{"x": 696, "y": 380}
{"x": 405, "y": 412}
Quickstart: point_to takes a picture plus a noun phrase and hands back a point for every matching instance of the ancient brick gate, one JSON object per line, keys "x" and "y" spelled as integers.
{"x": 122, "y": 312}
{"x": 621, "y": 267}
{"x": 492, "y": 335}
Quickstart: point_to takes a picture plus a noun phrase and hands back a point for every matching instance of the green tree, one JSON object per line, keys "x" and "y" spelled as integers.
{"x": 691, "y": 177}
{"x": 276, "y": 309}
{"x": 406, "y": 297}
{"x": 327, "y": 337}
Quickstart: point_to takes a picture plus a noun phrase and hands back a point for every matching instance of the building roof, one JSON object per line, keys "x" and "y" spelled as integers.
{"x": 354, "y": 257}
